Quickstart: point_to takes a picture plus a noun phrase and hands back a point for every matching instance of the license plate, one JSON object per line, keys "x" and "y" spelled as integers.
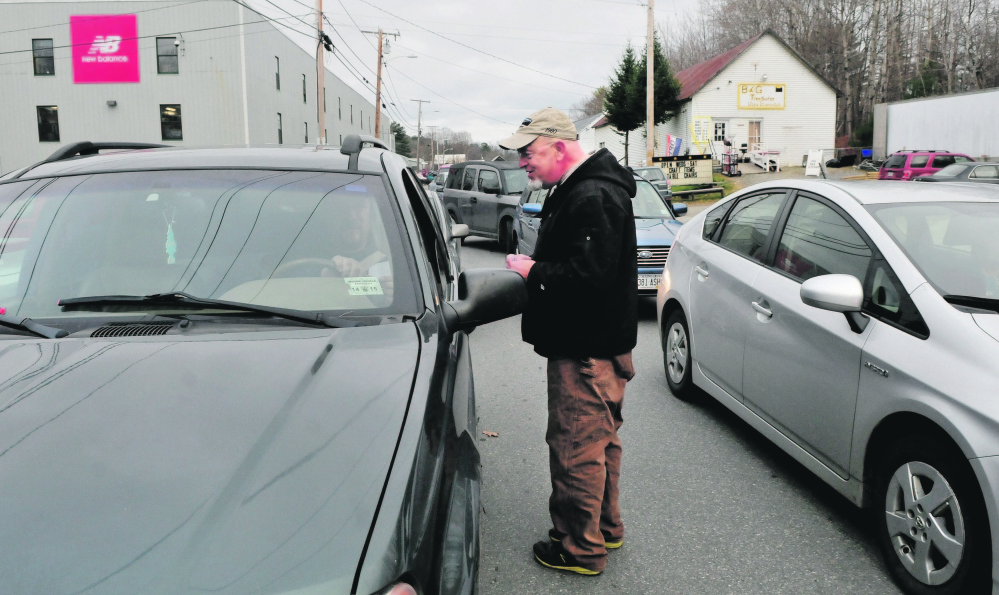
{"x": 648, "y": 281}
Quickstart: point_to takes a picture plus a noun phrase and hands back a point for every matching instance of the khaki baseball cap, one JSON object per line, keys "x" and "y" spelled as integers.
{"x": 548, "y": 122}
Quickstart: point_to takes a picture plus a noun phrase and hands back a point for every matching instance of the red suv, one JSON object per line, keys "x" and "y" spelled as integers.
{"x": 906, "y": 165}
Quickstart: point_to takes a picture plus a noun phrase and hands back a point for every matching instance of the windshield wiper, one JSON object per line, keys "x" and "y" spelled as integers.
{"x": 186, "y": 300}
{"x": 977, "y": 303}
{"x": 27, "y": 324}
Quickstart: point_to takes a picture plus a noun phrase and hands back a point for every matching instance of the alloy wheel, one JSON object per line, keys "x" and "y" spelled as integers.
{"x": 925, "y": 524}
{"x": 676, "y": 352}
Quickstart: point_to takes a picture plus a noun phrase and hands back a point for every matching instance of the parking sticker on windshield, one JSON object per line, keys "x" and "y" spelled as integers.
{"x": 363, "y": 286}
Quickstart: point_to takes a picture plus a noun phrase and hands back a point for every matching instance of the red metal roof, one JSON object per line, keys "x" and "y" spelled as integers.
{"x": 694, "y": 78}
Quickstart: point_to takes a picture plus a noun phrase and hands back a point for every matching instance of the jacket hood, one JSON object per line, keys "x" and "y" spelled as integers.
{"x": 238, "y": 463}
{"x": 602, "y": 166}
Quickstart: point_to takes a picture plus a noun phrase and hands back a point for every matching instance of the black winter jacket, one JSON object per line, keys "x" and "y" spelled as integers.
{"x": 583, "y": 286}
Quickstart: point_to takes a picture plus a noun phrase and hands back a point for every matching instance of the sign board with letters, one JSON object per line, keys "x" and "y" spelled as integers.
{"x": 762, "y": 95}
{"x": 814, "y": 165}
{"x": 686, "y": 170}
{"x": 105, "y": 48}
{"x": 700, "y": 131}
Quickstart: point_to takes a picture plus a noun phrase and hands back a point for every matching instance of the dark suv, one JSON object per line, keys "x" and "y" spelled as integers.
{"x": 237, "y": 368}
{"x": 484, "y": 195}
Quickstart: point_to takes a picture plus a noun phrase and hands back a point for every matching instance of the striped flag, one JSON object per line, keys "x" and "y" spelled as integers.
{"x": 673, "y": 145}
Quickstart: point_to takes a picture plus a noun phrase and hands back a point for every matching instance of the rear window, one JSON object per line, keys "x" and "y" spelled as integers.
{"x": 895, "y": 162}
{"x": 950, "y": 171}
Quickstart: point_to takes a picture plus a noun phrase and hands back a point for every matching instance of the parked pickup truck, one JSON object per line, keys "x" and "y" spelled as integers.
{"x": 484, "y": 196}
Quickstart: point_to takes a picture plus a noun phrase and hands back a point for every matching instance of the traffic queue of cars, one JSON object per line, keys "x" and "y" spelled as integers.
{"x": 237, "y": 371}
{"x": 855, "y": 325}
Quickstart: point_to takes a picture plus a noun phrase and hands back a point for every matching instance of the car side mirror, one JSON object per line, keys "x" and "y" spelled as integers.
{"x": 679, "y": 208}
{"x": 491, "y": 190}
{"x": 532, "y": 208}
{"x": 459, "y": 230}
{"x": 484, "y": 296}
{"x": 837, "y": 293}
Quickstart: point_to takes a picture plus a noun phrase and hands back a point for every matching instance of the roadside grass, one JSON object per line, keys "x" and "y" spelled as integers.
{"x": 726, "y": 184}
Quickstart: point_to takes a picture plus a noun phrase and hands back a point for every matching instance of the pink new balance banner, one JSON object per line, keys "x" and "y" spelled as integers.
{"x": 105, "y": 48}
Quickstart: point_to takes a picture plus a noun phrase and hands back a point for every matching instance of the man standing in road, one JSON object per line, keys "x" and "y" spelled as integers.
{"x": 583, "y": 285}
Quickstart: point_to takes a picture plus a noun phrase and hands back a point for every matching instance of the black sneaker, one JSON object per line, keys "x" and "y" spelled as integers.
{"x": 557, "y": 537}
{"x": 553, "y": 556}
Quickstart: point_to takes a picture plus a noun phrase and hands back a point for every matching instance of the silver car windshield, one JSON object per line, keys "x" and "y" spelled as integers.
{"x": 307, "y": 241}
{"x": 648, "y": 204}
{"x": 953, "y": 244}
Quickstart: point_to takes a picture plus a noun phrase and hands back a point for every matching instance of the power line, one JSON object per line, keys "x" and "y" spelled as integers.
{"x": 456, "y": 103}
{"x": 495, "y": 57}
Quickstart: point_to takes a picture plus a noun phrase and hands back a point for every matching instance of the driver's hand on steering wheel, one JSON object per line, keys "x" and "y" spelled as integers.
{"x": 343, "y": 266}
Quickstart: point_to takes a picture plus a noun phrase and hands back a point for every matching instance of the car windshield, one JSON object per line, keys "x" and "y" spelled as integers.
{"x": 954, "y": 244}
{"x": 648, "y": 204}
{"x": 308, "y": 241}
{"x": 653, "y": 174}
{"x": 515, "y": 179}
{"x": 952, "y": 170}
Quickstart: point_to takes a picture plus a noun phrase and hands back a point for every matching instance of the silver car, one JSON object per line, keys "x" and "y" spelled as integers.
{"x": 855, "y": 325}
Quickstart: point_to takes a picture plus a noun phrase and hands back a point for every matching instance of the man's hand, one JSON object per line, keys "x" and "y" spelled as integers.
{"x": 520, "y": 263}
{"x": 343, "y": 267}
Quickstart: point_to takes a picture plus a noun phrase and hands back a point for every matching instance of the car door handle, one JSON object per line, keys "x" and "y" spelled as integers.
{"x": 701, "y": 272}
{"x": 762, "y": 310}
{"x": 473, "y": 200}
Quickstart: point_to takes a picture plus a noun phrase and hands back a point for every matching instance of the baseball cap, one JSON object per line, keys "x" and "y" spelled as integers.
{"x": 549, "y": 122}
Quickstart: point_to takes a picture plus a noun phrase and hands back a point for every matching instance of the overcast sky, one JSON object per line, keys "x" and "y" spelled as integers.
{"x": 483, "y": 66}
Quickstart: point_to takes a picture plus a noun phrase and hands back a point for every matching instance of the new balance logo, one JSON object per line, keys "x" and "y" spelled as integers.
{"x": 105, "y": 45}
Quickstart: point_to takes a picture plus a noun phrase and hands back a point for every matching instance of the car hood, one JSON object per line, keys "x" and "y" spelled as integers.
{"x": 656, "y": 232}
{"x": 234, "y": 463}
{"x": 988, "y": 323}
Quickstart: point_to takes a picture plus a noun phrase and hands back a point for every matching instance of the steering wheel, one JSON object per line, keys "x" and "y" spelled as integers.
{"x": 299, "y": 264}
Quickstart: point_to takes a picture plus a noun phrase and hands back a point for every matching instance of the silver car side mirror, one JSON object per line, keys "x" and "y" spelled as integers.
{"x": 837, "y": 293}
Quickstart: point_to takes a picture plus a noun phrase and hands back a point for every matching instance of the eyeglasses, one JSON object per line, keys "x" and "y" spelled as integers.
{"x": 525, "y": 154}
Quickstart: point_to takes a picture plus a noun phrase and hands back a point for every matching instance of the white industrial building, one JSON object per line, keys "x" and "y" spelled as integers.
{"x": 214, "y": 73}
{"x": 963, "y": 123}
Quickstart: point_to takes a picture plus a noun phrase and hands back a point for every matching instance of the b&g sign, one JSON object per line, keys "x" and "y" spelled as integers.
{"x": 762, "y": 95}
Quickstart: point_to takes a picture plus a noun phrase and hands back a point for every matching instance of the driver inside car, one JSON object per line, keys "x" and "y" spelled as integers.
{"x": 358, "y": 254}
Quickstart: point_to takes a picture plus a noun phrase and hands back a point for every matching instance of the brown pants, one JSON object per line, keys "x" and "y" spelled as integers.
{"x": 584, "y": 414}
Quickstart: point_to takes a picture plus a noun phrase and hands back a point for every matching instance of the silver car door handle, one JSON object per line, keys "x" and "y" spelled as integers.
{"x": 701, "y": 272}
{"x": 764, "y": 311}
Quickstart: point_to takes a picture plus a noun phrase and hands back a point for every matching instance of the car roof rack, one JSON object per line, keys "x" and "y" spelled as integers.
{"x": 923, "y": 151}
{"x": 85, "y": 148}
{"x": 352, "y": 145}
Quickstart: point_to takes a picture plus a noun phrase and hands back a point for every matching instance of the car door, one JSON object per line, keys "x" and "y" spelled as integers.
{"x": 527, "y": 231}
{"x": 725, "y": 267}
{"x": 466, "y": 196}
{"x": 485, "y": 210}
{"x": 802, "y": 364}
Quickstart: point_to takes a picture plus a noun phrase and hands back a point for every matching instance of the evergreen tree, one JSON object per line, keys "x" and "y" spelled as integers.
{"x": 666, "y": 89}
{"x": 624, "y": 104}
{"x": 401, "y": 139}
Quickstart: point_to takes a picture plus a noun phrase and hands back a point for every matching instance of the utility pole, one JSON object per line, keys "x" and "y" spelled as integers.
{"x": 378, "y": 84}
{"x": 321, "y": 75}
{"x": 650, "y": 97}
{"x": 433, "y": 142}
{"x": 419, "y": 130}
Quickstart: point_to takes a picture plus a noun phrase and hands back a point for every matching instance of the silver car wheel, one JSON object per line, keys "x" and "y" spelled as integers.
{"x": 924, "y": 521}
{"x": 676, "y": 352}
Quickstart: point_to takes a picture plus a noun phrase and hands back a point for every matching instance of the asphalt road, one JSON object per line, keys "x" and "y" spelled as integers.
{"x": 709, "y": 505}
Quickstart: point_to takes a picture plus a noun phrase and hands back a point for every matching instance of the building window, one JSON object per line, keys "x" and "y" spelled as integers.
{"x": 602, "y": 145}
{"x": 339, "y": 109}
{"x": 48, "y": 123}
{"x": 306, "y": 132}
{"x": 166, "y": 55}
{"x": 326, "y": 137}
{"x": 277, "y": 73}
{"x": 719, "y": 131}
{"x": 280, "y": 131}
{"x": 41, "y": 52}
{"x": 341, "y": 140}
{"x": 351, "y": 114}
{"x": 324, "y": 101}
{"x": 170, "y": 125}
{"x": 369, "y": 124}
{"x": 304, "y": 97}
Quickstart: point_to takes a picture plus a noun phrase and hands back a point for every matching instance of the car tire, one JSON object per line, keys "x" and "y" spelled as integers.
{"x": 943, "y": 551}
{"x": 515, "y": 240}
{"x": 677, "y": 358}
{"x": 507, "y": 236}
